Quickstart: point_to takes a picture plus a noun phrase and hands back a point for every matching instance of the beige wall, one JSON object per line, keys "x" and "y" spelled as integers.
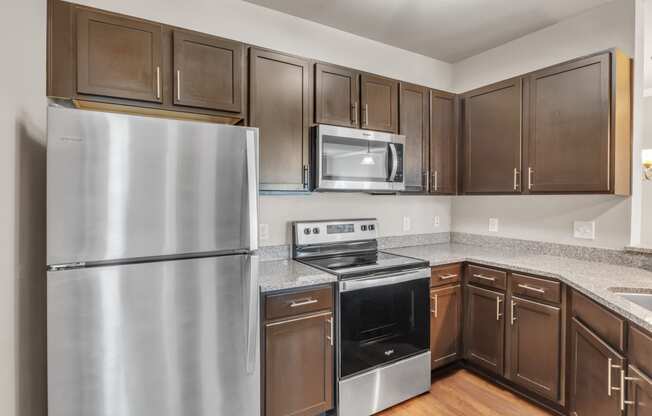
{"x": 549, "y": 218}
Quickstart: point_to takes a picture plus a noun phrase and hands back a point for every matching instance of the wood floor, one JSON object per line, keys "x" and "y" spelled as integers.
{"x": 464, "y": 394}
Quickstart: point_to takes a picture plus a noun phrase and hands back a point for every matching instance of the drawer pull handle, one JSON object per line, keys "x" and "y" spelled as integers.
{"x": 481, "y": 276}
{"x": 533, "y": 289}
{"x": 302, "y": 302}
{"x": 447, "y": 276}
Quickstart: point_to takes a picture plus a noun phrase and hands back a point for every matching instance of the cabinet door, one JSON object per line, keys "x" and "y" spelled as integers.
{"x": 299, "y": 366}
{"x": 594, "y": 377}
{"x": 337, "y": 91}
{"x": 118, "y": 57}
{"x": 443, "y": 143}
{"x": 484, "y": 328}
{"x": 379, "y": 99}
{"x": 280, "y": 108}
{"x": 535, "y": 344}
{"x": 207, "y": 72}
{"x": 445, "y": 324}
{"x": 492, "y": 138}
{"x": 415, "y": 126}
{"x": 568, "y": 127}
{"x": 639, "y": 393}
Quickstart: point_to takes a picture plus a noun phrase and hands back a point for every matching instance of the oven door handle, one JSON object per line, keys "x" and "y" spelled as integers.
{"x": 385, "y": 280}
{"x": 394, "y": 162}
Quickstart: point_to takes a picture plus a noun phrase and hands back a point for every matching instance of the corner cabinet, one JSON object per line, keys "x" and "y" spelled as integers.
{"x": 492, "y": 139}
{"x": 280, "y": 106}
{"x": 299, "y": 353}
{"x": 484, "y": 329}
{"x": 414, "y": 125}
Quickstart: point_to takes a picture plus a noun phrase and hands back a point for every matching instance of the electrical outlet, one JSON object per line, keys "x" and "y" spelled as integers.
{"x": 493, "y": 225}
{"x": 263, "y": 232}
{"x": 584, "y": 230}
{"x": 406, "y": 223}
{"x": 437, "y": 221}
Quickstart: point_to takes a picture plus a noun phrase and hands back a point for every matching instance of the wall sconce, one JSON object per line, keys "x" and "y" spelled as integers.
{"x": 646, "y": 157}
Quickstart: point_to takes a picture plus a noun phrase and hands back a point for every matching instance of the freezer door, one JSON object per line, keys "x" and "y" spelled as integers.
{"x": 122, "y": 186}
{"x": 155, "y": 339}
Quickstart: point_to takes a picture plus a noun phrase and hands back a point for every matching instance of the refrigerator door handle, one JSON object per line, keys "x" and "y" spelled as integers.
{"x": 252, "y": 312}
{"x": 252, "y": 187}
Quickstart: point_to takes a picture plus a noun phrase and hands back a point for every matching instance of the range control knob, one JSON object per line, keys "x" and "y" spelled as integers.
{"x": 315, "y": 230}
{"x": 363, "y": 228}
{"x": 306, "y": 231}
{"x": 371, "y": 227}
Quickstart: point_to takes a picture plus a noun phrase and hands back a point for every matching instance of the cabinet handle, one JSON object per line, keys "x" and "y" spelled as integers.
{"x": 611, "y": 366}
{"x": 533, "y": 289}
{"x": 302, "y": 302}
{"x": 436, "y": 305}
{"x": 366, "y": 115}
{"x": 355, "y": 112}
{"x": 530, "y": 178}
{"x": 481, "y": 276}
{"x": 178, "y": 85}
{"x": 513, "y": 315}
{"x": 516, "y": 175}
{"x": 447, "y": 276}
{"x": 330, "y": 338}
{"x": 306, "y": 175}
{"x": 158, "y": 82}
{"x": 623, "y": 383}
{"x": 498, "y": 314}
{"x": 435, "y": 179}
{"x": 427, "y": 175}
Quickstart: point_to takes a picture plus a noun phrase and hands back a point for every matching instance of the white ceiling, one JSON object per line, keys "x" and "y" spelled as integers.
{"x": 448, "y": 30}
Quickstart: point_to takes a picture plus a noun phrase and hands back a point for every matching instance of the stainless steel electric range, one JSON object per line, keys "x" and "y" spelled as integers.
{"x": 383, "y": 318}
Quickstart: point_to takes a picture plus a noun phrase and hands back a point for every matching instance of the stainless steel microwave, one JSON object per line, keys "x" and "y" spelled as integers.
{"x": 348, "y": 159}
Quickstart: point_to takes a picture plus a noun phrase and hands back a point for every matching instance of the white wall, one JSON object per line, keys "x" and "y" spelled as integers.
{"x": 548, "y": 218}
{"x": 646, "y": 194}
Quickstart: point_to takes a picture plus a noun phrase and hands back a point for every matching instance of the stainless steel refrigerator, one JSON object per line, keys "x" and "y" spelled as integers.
{"x": 152, "y": 292}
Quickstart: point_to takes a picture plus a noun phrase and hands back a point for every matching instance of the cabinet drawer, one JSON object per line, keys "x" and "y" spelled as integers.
{"x": 605, "y": 324}
{"x": 485, "y": 276}
{"x": 442, "y": 275}
{"x": 639, "y": 349}
{"x": 296, "y": 303}
{"x": 535, "y": 288}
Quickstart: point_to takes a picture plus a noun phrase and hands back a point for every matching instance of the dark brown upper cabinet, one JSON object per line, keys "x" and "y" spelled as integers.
{"x": 443, "y": 142}
{"x": 280, "y": 97}
{"x": 578, "y": 136}
{"x": 535, "y": 346}
{"x": 414, "y": 125}
{"x": 445, "y": 325}
{"x": 337, "y": 94}
{"x": 379, "y": 103}
{"x": 484, "y": 329}
{"x": 594, "y": 374}
{"x": 118, "y": 57}
{"x": 207, "y": 71}
{"x": 492, "y": 139}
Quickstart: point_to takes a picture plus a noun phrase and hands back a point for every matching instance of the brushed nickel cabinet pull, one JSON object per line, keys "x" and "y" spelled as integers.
{"x": 481, "y": 276}
{"x": 447, "y": 276}
{"x": 435, "y": 178}
{"x": 530, "y": 178}
{"x": 302, "y": 302}
{"x": 624, "y": 381}
{"x": 513, "y": 316}
{"x": 330, "y": 338}
{"x": 498, "y": 314}
{"x": 366, "y": 115}
{"x": 516, "y": 175}
{"x": 158, "y": 82}
{"x": 610, "y": 367}
{"x": 355, "y": 112}
{"x": 436, "y": 305}
{"x": 533, "y": 289}
{"x": 427, "y": 175}
{"x": 178, "y": 85}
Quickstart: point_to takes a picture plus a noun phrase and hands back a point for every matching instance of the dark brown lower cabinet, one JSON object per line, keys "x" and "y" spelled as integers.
{"x": 484, "y": 329}
{"x": 299, "y": 365}
{"x": 445, "y": 325}
{"x": 594, "y": 374}
{"x": 535, "y": 347}
{"x": 639, "y": 393}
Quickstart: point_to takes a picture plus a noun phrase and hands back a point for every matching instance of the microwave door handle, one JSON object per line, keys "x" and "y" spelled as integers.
{"x": 394, "y": 162}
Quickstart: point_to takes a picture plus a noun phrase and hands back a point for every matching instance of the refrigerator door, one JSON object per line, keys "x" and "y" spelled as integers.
{"x": 128, "y": 187}
{"x": 163, "y": 338}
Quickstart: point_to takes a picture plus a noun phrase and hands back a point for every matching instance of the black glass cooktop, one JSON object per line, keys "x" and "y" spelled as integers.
{"x": 354, "y": 265}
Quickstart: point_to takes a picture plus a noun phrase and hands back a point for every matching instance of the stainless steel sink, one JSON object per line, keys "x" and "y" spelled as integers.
{"x": 643, "y": 299}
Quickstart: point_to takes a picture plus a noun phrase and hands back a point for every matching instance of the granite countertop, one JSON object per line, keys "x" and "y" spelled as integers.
{"x": 596, "y": 280}
{"x": 287, "y": 274}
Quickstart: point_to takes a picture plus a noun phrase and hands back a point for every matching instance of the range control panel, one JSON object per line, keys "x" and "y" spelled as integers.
{"x": 322, "y": 232}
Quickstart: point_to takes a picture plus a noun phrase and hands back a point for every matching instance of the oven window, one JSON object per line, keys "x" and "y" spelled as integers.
{"x": 348, "y": 159}
{"x": 383, "y": 324}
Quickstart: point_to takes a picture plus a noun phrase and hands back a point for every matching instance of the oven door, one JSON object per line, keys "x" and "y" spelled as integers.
{"x": 383, "y": 319}
{"x": 358, "y": 160}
